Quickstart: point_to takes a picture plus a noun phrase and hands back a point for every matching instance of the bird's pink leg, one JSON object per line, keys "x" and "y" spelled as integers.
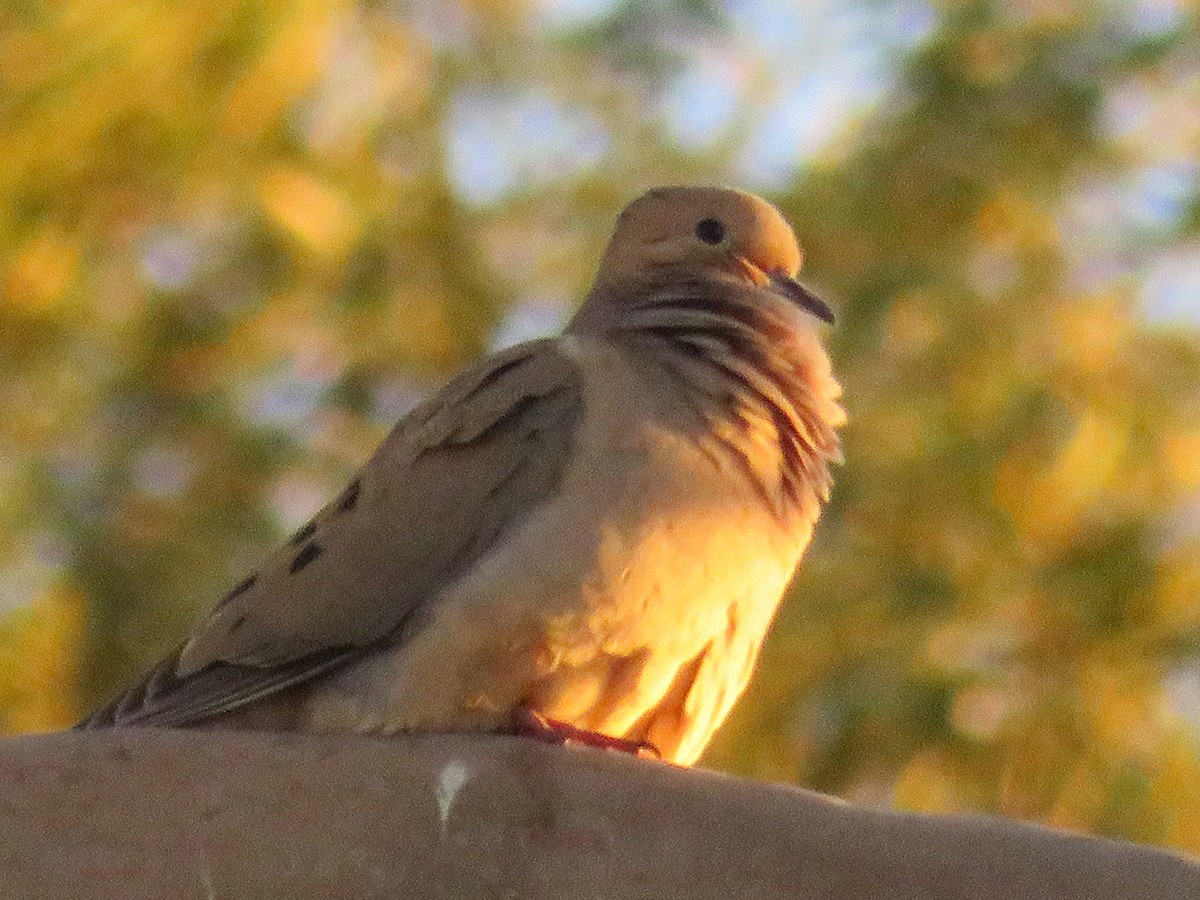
{"x": 530, "y": 723}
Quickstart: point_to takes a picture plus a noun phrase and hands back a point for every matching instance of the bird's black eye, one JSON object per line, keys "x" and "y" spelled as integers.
{"x": 710, "y": 231}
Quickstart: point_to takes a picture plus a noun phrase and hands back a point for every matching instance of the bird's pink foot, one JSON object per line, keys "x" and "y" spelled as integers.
{"x": 533, "y": 724}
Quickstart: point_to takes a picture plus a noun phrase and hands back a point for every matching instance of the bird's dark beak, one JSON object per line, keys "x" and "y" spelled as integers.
{"x": 800, "y": 295}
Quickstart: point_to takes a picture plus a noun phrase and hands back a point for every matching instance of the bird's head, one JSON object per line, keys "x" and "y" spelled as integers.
{"x": 705, "y": 232}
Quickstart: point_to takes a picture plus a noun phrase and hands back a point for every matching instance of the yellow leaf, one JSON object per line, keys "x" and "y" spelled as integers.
{"x": 313, "y": 212}
{"x": 41, "y": 272}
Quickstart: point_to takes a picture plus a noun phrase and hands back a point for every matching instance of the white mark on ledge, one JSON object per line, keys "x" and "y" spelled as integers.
{"x": 451, "y": 780}
{"x": 205, "y": 875}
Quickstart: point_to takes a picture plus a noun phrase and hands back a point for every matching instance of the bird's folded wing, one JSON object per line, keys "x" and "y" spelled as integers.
{"x": 442, "y": 488}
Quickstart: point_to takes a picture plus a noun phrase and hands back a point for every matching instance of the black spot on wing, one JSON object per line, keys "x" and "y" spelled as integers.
{"x": 304, "y": 534}
{"x": 350, "y": 497}
{"x": 304, "y": 557}
{"x": 238, "y": 590}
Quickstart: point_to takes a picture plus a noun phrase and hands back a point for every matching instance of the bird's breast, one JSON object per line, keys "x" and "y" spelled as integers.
{"x": 637, "y": 595}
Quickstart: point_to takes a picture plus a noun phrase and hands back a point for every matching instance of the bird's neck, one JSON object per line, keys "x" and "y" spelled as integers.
{"x": 751, "y": 367}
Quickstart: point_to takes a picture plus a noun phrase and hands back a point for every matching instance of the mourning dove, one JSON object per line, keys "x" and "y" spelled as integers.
{"x": 592, "y": 530}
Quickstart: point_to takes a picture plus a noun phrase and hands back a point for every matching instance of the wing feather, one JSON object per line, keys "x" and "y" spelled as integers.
{"x": 437, "y": 494}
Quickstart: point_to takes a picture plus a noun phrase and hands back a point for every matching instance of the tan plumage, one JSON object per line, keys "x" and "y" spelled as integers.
{"x": 597, "y": 527}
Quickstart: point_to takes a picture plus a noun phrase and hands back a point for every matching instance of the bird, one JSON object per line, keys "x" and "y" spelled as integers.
{"x": 583, "y": 537}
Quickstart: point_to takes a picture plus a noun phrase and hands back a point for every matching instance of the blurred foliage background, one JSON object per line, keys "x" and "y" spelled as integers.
{"x": 239, "y": 239}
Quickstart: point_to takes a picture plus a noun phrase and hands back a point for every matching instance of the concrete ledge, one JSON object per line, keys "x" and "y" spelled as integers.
{"x": 180, "y": 814}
